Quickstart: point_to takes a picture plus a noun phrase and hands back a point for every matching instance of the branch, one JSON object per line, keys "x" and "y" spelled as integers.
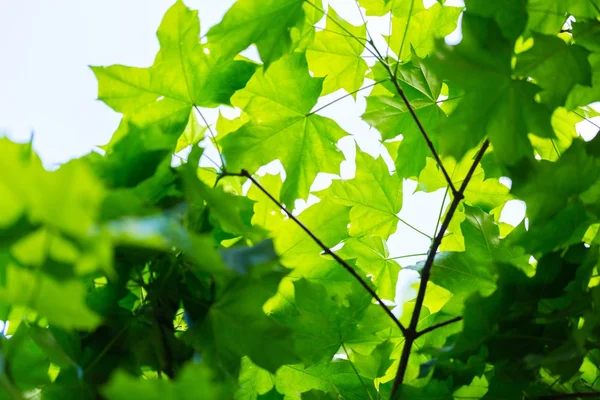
{"x": 411, "y": 332}
{"x": 326, "y": 249}
{"x": 436, "y": 326}
{"x": 420, "y": 126}
{"x": 583, "y": 395}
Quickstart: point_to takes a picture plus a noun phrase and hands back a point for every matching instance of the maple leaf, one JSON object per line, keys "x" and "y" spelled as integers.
{"x": 507, "y": 115}
{"x": 336, "y": 55}
{"x": 184, "y": 75}
{"x": 282, "y": 127}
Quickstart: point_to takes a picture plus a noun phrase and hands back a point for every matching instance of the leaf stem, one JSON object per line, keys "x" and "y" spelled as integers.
{"x": 356, "y": 372}
{"x": 411, "y": 332}
{"x": 439, "y": 218}
{"x": 410, "y": 10}
{"x": 106, "y": 348}
{"x": 343, "y": 28}
{"x": 415, "y": 229}
{"x": 364, "y": 21}
{"x": 347, "y": 95}
{"x": 212, "y": 136}
{"x": 325, "y": 249}
{"x": 407, "y": 256}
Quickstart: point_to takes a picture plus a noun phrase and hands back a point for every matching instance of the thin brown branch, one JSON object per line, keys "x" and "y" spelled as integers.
{"x": 436, "y": 326}
{"x": 580, "y": 395}
{"x": 411, "y": 332}
{"x": 325, "y": 249}
{"x": 420, "y": 126}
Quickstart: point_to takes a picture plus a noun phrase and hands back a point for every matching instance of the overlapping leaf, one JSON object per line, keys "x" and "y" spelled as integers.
{"x": 387, "y": 112}
{"x": 279, "y": 101}
{"x": 336, "y": 55}
{"x": 183, "y": 76}
{"x": 494, "y": 105}
{"x": 374, "y": 195}
{"x": 264, "y": 23}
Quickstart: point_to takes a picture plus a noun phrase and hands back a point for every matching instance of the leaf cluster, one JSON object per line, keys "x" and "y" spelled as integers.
{"x": 142, "y": 273}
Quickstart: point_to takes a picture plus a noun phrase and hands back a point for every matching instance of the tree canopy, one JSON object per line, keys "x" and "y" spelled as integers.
{"x": 142, "y": 273}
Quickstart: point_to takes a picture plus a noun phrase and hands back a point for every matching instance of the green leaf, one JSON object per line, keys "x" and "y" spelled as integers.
{"x": 192, "y": 134}
{"x": 372, "y": 257}
{"x": 264, "y": 23}
{"x": 511, "y": 15}
{"x": 195, "y": 381}
{"x": 374, "y": 195}
{"x": 253, "y": 381}
{"x": 386, "y": 110}
{"x": 547, "y": 187}
{"x": 327, "y": 219}
{"x": 240, "y": 259}
{"x": 323, "y": 322}
{"x": 546, "y": 62}
{"x": 390, "y": 116}
{"x": 585, "y": 35}
{"x": 266, "y": 213}
{"x": 236, "y": 326}
{"x": 25, "y": 361}
{"x": 164, "y": 233}
{"x": 337, "y": 377}
{"x": 67, "y": 199}
{"x": 462, "y": 273}
{"x": 195, "y": 77}
{"x": 63, "y": 303}
{"x": 548, "y": 16}
{"x": 282, "y": 127}
{"x": 233, "y": 214}
{"x": 376, "y": 364}
{"x": 415, "y": 28}
{"x": 507, "y": 116}
{"x": 563, "y": 123}
{"x": 480, "y": 192}
{"x": 336, "y": 55}
{"x": 504, "y": 322}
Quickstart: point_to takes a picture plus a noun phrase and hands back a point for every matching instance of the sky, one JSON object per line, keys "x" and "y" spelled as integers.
{"x": 47, "y": 88}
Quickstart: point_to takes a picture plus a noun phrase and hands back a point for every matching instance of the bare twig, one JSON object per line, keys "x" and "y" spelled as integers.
{"x": 411, "y": 332}
{"x": 325, "y": 249}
